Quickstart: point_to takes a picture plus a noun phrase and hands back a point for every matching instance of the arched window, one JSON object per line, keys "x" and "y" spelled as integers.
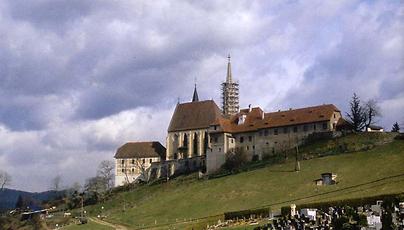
{"x": 185, "y": 140}
{"x": 195, "y": 152}
{"x": 205, "y": 143}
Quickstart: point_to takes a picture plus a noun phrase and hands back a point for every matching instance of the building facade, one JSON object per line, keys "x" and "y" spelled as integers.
{"x": 134, "y": 160}
{"x": 258, "y": 133}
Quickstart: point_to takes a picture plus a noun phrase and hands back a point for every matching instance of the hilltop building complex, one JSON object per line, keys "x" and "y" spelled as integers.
{"x": 200, "y": 134}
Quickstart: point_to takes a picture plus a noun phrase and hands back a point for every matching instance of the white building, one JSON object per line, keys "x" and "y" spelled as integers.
{"x": 309, "y": 213}
{"x": 133, "y": 161}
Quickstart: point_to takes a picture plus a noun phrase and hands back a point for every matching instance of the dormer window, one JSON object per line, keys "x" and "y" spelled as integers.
{"x": 241, "y": 119}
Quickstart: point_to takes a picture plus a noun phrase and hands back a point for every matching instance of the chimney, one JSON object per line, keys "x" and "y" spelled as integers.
{"x": 249, "y": 108}
{"x": 262, "y": 115}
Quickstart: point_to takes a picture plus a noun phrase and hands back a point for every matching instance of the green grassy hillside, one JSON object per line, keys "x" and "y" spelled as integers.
{"x": 379, "y": 170}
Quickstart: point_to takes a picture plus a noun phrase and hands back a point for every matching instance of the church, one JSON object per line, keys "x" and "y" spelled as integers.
{"x": 200, "y": 134}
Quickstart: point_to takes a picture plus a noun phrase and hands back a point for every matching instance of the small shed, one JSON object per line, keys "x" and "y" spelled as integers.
{"x": 327, "y": 178}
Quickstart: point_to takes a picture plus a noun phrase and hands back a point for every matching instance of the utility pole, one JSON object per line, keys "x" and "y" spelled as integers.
{"x": 297, "y": 164}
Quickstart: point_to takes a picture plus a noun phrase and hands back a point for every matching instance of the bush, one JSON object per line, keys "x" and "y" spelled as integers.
{"x": 263, "y": 212}
{"x": 235, "y": 160}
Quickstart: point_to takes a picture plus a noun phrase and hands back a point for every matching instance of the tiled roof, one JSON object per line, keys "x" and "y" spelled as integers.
{"x": 141, "y": 150}
{"x": 194, "y": 115}
{"x": 254, "y": 119}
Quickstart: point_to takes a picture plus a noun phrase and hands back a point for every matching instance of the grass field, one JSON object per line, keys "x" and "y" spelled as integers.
{"x": 379, "y": 170}
{"x": 89, "y": 226}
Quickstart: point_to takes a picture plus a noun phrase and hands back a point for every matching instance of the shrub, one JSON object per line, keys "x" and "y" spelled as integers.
{"x": 235, "y": 160}
{"x": 263, "y": 212}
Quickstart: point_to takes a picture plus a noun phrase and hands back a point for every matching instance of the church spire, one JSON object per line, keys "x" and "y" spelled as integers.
{"x": 195, "y": 96}
{"x": 229, "y": 77}
{"x": 230, "y": 104}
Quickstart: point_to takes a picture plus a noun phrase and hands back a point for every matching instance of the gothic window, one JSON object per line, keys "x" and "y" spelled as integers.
{"x": 195, "y": 144}
{"x": 205, "y": 143}
{"x": 185, "y": 140}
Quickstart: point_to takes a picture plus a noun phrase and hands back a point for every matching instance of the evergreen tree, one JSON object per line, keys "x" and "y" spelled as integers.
{"x": 357, "y": 114}
{"x": 396, "y": 128}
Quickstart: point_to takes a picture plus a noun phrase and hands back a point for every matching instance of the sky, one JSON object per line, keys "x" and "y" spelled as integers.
{"x": 80, "y": 78}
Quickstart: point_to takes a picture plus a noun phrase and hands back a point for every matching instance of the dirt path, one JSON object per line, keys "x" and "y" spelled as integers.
{"x": 115, "y": 226}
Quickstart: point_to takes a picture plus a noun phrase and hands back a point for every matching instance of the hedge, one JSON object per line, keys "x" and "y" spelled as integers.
{"x": 264, "y": 212}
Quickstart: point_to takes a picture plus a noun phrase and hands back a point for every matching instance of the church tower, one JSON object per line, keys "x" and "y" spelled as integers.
{"x": 230, "y": 104}
{"x": 195, "y": 96}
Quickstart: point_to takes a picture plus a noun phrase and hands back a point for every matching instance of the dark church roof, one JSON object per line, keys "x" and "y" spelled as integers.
{"x": 194, "y": 115}
{"x": 141, "y": 150}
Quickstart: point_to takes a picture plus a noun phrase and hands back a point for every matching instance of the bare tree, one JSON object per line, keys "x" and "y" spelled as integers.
{"x": 95, "y": 184}
{"x": 143, "y": 168}
{"x": 357, "y": 114}
{"x": 106, "y": 172}
{"x": 5, "y": 179}
{"x": 56, "y": 183}
{"x": 371, "y": 110}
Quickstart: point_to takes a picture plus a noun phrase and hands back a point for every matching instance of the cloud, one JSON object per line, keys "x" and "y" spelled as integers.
{"x": 79, "y": 78}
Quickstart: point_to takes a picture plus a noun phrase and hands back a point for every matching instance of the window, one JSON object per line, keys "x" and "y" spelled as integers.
{"x": 214, "y": 127}
{"x": 241, "y": 139}
{"x": 275, "y": 131}
{"x": 123, "y": 170}
{"x": 133, "y": 161}
{"x": 248, "y": 147}
{"x": 285, "y": 130}
{"x": 216, "y": 140}
{"x": 314, "y": 127}
{"x": 220, "y": 149}
{"x": 231, "y": 140}
{"x": 123, "y": 161}
{"x": 305, "y": 128}
{"x": 150, "y": 161}
{"x": 249, "y": 138}
{"x": 253, "y": 146}
{"x": 334, "y": 115}
{"x": 144, "y": 161}
{"x": 324, "y": 125}
{"x": 295, "y": 129}
{"x": 267, "y": 143}
{"x": 266, "y": 132}
{"x": 260, "y": 133}
{"x": 133, "y": 170}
